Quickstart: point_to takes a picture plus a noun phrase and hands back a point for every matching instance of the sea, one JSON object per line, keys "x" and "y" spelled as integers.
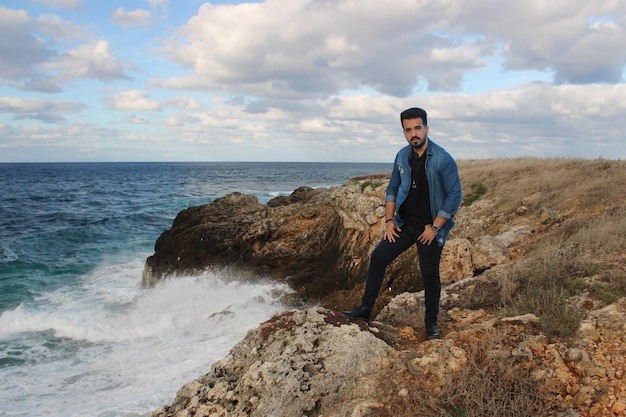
{"x": 79, "y": 335}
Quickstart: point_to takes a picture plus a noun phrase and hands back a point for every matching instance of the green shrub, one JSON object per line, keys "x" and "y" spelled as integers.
{"x": 478, "y": 190}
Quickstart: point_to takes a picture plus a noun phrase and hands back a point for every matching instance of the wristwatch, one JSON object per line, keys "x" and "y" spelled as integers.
{"x": 435, "y": 228}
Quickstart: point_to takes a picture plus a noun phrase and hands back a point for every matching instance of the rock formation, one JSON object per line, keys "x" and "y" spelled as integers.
{"x": 311, "y": 361}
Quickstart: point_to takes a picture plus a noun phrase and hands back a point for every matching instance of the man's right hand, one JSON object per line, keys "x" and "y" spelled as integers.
{"x": 391, "y": 232}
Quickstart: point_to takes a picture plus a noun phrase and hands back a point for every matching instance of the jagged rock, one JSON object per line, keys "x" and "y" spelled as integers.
{"x": 494, "y": 250}
{"x": 317, "y": 240}
{"x": 309, "y": 362}
{"x": 332, "y": 367}
{"x": 456, "y": 261}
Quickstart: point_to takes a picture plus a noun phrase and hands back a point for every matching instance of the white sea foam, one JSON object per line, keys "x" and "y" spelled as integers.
{"x": 107, "y": 347}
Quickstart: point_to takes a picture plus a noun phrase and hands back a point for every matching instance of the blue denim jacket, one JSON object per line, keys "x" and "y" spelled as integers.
{"x": 444, "y": 186}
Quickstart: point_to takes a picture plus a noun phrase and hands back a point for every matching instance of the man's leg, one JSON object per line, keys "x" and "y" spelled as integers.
{"x": 384, "y": 254}
{"x": 429, "y": 259}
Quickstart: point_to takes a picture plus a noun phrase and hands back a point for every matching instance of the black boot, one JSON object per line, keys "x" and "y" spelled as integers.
{"x": 359, "y": 313}
{"x": 432, "y": 332}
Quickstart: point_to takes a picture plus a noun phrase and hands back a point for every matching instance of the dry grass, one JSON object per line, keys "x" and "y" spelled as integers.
{"x": 544, "y": 287}
{"x": 559, "y": 183}
{"x": 492, "y": 384}
{"x": 580, "y": 250}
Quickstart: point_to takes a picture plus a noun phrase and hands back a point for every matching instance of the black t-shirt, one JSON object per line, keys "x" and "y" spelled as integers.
{"x": 415, "y": 210}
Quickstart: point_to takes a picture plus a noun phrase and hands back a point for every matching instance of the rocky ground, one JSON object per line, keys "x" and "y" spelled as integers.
{"x": 492, "y": 360}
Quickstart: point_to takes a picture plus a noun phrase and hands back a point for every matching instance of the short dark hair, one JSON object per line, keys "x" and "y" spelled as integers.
{"x": 414, "y": 113}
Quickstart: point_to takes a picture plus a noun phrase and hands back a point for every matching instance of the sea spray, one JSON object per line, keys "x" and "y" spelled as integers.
{"x": 110, "y": 347}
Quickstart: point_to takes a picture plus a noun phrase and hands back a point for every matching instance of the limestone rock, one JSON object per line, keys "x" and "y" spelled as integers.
{"x": 494, "y": 250}
{"x": 297, "y": 363}
{"x": 456, "y": 261}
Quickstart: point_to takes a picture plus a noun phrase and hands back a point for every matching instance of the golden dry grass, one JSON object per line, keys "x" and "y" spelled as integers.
{"x": 590, "y": 195}
{"x": 582, "y": 251}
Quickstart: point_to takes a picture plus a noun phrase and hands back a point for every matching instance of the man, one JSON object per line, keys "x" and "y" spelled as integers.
{"x": 422, "y": 197}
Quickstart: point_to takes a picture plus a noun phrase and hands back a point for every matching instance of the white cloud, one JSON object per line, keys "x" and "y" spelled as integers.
{"x": 182, "y": 102}
{"x": 320, "y": 49}
{"x": 326, "y": 80}
{"x": 30, "y": 62}
{"x": 20, "y": 50}
{"x": 158, "y": 4}
{"x": 135, "y": 100}
{"x": 556, "y": 36}
{"x": 90, "y": 60}
{"x": 132, "y": 18}
{"x": 323, "y": 48}
{"x": 40, "y": 109}
{"x": 598, "y": 56}
{"x": 60, "y": 29}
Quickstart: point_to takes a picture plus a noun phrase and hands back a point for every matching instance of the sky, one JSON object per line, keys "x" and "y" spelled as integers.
{"x": 309, "y": 80}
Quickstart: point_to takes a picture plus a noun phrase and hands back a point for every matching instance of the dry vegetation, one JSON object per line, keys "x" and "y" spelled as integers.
{"x": 488, "y": 386}
{"x": 575, "y": 262}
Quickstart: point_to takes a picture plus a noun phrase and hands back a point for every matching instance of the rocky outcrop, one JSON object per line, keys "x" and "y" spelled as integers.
{"x": 311, "y": 361}
{"x": 298, "y": 363}
{"x": 317, "y": 240}
{"x": 314, "y": 362}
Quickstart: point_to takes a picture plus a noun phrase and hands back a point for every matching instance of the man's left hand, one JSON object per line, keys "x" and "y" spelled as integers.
{"x": 427, "y": 236}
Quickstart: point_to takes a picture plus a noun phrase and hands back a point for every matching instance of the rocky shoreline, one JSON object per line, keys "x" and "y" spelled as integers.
{"x": 311, "y": 361}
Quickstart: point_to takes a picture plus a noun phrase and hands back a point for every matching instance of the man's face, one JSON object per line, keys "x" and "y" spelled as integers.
{"x": 415, "y": 133}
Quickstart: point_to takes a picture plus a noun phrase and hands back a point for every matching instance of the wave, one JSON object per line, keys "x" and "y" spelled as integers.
{"x": 107, "y": 346}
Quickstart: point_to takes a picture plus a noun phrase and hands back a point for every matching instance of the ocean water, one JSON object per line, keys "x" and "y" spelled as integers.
{"x": 79, "y": 336}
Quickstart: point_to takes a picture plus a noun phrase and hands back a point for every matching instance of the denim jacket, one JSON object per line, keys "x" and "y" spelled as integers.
{"x": 444, "y": 186}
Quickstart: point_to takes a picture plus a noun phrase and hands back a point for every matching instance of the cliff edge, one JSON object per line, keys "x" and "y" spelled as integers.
{"x": 533, "y": 309}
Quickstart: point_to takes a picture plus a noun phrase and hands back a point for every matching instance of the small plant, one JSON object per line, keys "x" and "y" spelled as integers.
{"x": 478, "y": 190}
{"x": 455, "y": 411}
{"x": 371, "y": 183}
{"x": 363, "y": 183}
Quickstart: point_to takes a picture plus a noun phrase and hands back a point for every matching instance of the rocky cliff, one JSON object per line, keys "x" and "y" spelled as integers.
{"x": 533, "y": 314}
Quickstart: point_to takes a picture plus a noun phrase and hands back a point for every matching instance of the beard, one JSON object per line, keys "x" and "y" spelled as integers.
{"x": 418, "y": 143}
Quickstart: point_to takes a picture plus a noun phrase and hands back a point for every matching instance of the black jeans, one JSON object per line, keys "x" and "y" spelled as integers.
{"x": 429, "y": 259}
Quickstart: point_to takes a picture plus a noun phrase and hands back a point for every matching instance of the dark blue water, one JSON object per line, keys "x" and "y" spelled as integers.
{"x": 78, "y": 334}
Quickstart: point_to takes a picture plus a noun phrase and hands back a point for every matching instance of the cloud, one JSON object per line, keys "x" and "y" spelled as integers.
{"x": 135, "y": 100}
{"x": 61, "y": 30}
{"x": 323, "y": 47}
{"x": 20, "y": 50}
{"x": 540, "y": 120}
{"x": 30, "y": 62}
{"x": 63, "y": 4}
{"x": 599, "y": 56}
{"x": 326, "y": 80}
{"x": 556, "y": 36}
{"x": 138, "y": 120}
{"x": 182, "y": 102}
{"x": 132, "y": 18}
{"x": 91, "y": 60}
{"x": 158, "y": 4}
{"x": 39, "y": 109}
